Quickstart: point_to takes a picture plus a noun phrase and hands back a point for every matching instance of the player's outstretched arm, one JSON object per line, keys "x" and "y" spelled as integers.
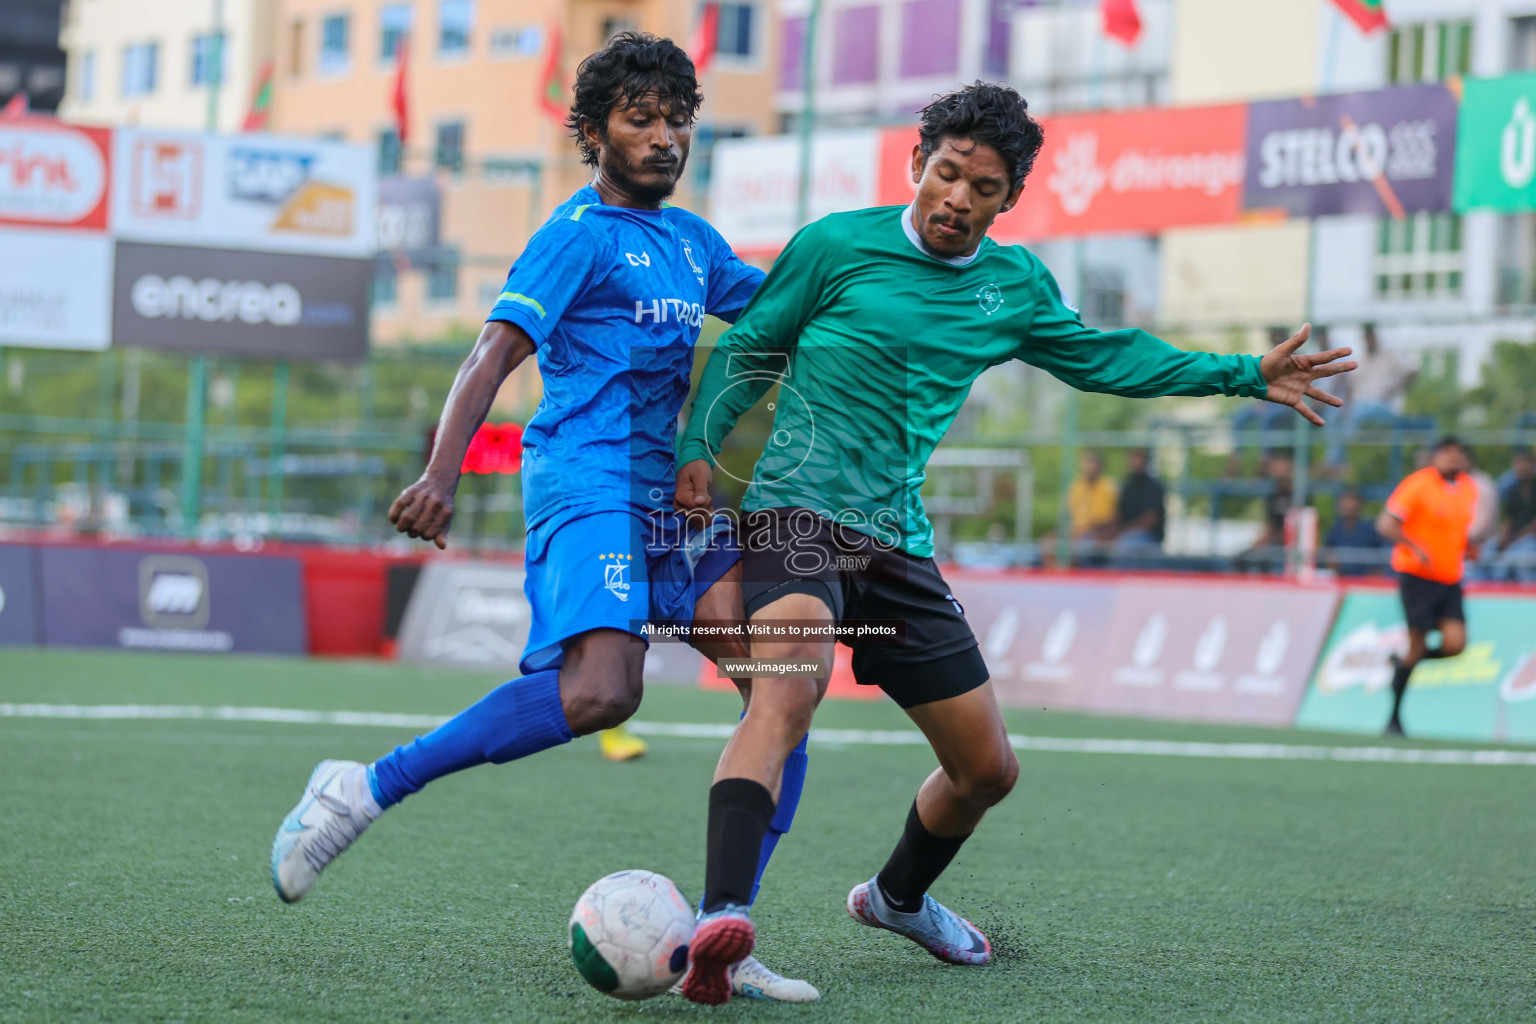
{"x": 1135, "y": 364}
{"x": 1291, "y": 374}
{"x": 425, "y": 509}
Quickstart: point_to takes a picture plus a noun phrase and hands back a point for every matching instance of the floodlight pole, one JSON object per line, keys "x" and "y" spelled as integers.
{"x": 807, "y": 115}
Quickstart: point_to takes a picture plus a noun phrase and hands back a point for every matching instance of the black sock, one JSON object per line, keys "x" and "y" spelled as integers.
{"x": 919, "y": 858}
{"x": 1399, "y": 686}
{"x": 739, "y": 813}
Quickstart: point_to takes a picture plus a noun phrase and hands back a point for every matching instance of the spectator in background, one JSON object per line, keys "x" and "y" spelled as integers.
{"x": 1515, "y": 549}
{"x": 1267, "y": 554}
{"x": 1091, "y": 505}
{"x": 1485, "y": 514}
{"x": 1139, "y": 514}
{"x": 1373, "y": 397}
{"x": 1351, "y": 539}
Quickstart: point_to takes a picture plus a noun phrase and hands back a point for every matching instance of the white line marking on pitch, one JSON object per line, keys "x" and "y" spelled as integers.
{"x": 830, "y": 737}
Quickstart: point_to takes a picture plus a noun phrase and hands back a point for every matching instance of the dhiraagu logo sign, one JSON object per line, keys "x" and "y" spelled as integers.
{"x": 1496, "y": 145}
{"x": 1481, "y": 695}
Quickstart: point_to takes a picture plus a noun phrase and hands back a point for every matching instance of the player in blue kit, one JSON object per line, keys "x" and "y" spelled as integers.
{"x": 609, "y": 294}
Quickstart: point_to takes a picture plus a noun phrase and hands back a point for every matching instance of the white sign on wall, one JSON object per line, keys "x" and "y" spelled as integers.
{"x": 244, "y": 192}
{"x": 755, "y": 184}
{"x": 55, "y": 289}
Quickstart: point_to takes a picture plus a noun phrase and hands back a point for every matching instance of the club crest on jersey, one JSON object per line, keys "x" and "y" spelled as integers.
{"x": 616, "y": 574}
{"x": 643, "y": 260}
{"x": 990, "y": 298}
{"x": 698, "y": 271}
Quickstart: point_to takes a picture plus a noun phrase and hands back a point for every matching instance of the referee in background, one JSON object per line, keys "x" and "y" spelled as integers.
{"x": 1428, "y": 519}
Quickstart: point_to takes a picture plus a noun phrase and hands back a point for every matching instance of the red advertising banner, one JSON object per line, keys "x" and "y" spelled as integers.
{"x": 1135, "y": 171}
{"x": 54, "y": 175}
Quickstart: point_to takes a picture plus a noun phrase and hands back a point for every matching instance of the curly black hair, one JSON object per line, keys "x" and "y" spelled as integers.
{"x": 993, "y": 115}
{"x": 631, "y": 65}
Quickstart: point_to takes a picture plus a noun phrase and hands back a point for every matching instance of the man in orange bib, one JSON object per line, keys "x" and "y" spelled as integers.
{"x": 1428, "y": 518}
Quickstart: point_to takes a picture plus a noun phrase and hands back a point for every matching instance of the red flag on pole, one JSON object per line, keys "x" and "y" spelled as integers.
{"x": 550, "y": 92}
{"x": 1367, "y": 15}
{"x": 15, "y": 109}
{"x": 706, "y": 39}
{"x": 1122, "y": 21}
{"x": 402, "y": 109}
{"x": 261, "y": 101}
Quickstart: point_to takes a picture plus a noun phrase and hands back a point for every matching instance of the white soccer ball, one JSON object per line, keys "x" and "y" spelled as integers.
{"x": 630, "y": 933}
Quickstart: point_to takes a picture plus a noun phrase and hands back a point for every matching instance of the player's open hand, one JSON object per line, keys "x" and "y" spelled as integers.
{"x": 1290, "y": 374}
{"x": 693, "y": 480}
{"x": 424, "y": 510}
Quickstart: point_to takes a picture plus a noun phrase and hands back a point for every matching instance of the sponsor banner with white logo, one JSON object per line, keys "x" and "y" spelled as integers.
{"x": 55, "y": 289}
{"x": 1385, "y": 153}
{"x": 1488, "y": 693}
{"x": 171, "y": 601}
{"x": 472, "y": 615}
{"x": 475, "y": 615}
{"x": 1212, "y": 651}
{"x": 261, "y": 304}
{"x": 250, "y": 192}
{"x": 409, "y": 215}
{"x": 54, "y": 175}
{"x": 1216, "y": 651}
{"x": 755, "y": 184}
{"x": 1043, "y": 640}
{"x": 19, "y": 621}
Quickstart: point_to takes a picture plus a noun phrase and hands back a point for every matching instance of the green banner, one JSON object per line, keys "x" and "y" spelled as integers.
{"x": 1486, "y": 694}
{"x": 1496, "y": 145}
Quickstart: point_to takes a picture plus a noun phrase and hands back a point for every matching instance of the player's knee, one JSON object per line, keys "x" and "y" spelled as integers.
{"x": 1453, "y": 645}
{"x": 595, "y": 711}
{"x": 990, "y": 781}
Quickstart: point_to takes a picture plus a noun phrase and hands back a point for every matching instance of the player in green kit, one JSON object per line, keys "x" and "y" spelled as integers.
{"x": 875, "y": 323}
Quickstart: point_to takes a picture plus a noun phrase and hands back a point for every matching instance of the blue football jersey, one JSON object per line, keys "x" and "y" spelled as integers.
{"x": 613, "y": 299}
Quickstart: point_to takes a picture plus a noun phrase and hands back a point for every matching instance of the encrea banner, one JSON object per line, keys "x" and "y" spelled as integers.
{"x": 228, "y": 301}
{"x": 1487, "y": 694}
{"x": 1496, "y": 145}
{"x": 1385, "y": 153}
{"x": 1133, "y": 171}
{"x": 171, "y": 601}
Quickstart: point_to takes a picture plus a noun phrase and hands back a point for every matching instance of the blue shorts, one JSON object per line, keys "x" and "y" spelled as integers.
{"x": 617, "y": 570}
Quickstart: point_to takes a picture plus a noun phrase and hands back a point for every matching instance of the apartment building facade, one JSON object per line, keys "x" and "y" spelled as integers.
{"x": 474, "y": 70}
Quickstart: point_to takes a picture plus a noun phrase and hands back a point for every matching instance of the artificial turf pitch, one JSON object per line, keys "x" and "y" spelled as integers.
{"x": 134, "y": 869}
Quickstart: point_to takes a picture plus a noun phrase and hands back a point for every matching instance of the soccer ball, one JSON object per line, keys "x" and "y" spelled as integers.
{"x": 630, "y": 933}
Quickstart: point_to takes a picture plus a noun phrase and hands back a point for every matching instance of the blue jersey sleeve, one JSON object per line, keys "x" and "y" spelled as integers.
{"x": 558, "y": 265}
{"x": 732, "y": 283}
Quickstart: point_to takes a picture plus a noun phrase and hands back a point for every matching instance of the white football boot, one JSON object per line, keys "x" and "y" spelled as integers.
{"x": 751, "y": 980}
{"x": 337, "y": 806}
{"x": 935, "y": 927}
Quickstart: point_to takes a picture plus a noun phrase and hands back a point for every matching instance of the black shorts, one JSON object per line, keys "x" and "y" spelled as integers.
{"x": 795, "y": 551}
{"x": 1427, "y": 603}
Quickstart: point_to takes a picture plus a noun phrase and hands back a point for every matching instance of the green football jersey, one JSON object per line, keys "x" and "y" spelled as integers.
{"x": 876, "y": 342}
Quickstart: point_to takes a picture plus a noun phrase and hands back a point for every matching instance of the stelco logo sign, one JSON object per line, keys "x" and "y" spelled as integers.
{"x": 212, "y": 300}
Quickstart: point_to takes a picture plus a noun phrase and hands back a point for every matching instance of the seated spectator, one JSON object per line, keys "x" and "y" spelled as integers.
{"x": 1139, "y": 514}
{"x": 1375, "y": 394}
{"x": 1514, "y": 552}
{"x": 1351, "y": 539}
{"x": 1091, "y": 505}
{"x": 1267, "y": 554}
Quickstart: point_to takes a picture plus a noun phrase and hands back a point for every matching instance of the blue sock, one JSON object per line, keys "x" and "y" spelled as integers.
{"x": 789, "y": 798}
{"x": 514, "y": 720}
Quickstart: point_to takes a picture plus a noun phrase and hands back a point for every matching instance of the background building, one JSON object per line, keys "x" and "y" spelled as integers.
{"x": 158, "y": 64}
{"x": 31, "y": 61}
